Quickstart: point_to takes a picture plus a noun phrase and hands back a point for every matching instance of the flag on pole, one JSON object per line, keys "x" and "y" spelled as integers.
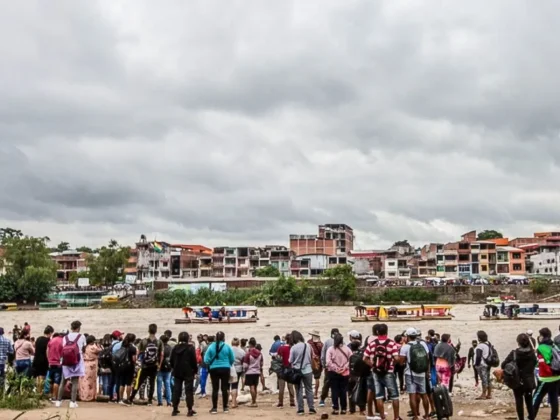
{"x": 157, "y": 247}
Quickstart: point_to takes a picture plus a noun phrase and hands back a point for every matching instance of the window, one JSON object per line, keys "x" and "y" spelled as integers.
{"x": 517, "y": 267}
{"x": 391, "y": 263}
{"x": 484, "y": 257}
{"x": 391, "y": 274}
{"x": 546, "y": 270}
{"x": 484, "y": 267}
{"x": 516, "y": 256}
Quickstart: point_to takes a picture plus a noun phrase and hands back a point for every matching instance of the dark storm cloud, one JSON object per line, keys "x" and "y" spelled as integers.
{"x": 199, "y": 122}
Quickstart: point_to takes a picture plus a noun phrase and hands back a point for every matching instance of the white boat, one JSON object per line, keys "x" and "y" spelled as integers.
{"x": 540, "y": 311}
{"x": 225, "y": 314}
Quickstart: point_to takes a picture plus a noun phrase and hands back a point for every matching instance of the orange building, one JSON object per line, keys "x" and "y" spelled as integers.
{"x": 511, "y": 261}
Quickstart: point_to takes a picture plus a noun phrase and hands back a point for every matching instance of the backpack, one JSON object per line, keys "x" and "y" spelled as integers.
{"x": 381, "y": 359}
{"x": 419, "y": 362}
{"x": 121, "y": 361}
{"x": 358, "y": 367}
{"x": 493, "y": 360}
{"x": 276, "y": 365}
{"x": 198, "y": 356}
{"x": 511, "y": 373}
{"x": 106, "y": 357}
{"x": 151, "y": 353}
{"x": 555, "y": 360}
{"x": 166, "y": 364}
{"x": 71, "y": 352}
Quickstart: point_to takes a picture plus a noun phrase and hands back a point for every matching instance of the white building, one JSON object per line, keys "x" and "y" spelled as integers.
{"x": 546, "y": 262}
{"x": 396, "y": 269}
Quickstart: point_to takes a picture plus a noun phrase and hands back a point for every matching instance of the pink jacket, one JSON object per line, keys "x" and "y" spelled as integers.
{"x": 338, "y": 360}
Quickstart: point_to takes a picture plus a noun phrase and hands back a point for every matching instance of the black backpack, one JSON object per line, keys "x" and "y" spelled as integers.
{"x": 419, "y": 361}
{"x": 493, "y": 360}
{"x": 121, "y": 360}
{"x": 358, "y": 367}
{"x": 151, "y": 353}
{"x": 511, "y": 373}
{"x": 166, "y": 364}
{"x": 106, "y": 358}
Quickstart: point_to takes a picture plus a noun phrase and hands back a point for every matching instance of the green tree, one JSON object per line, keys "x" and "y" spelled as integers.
{"x": 402, "y": 243}
{"x": 108, "y": 267}
{"x": 268, "y": 271}
{"x": 489, "y": 234}
{"x": 342, "y": 280}
{"x": 30, "y": 272}
{"x": 63, "y": 246}
{"x": 8, "y": 232}
{"x": 85, "y": 249}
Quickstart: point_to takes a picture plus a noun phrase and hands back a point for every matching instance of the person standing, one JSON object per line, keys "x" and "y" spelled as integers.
{"x": 338, "y": 367}
{"x": 252, "y": 365}
{"x": 549, "y": 381}
{"x": 284, "y": 355}
{"x": 40, "y": 364}
{"x": 415, "y": 354}
{"x": 73, "y": 366}
{"x": 239, "y": 355}
{"x": 275, "y": 345}
{"x": 219, "y": 358}
{"x": 24, "y": 351}
{"x": 526, "y": 360}
{"x": 152, "y": 350}
{"x": 6, "y": 350}
{"x": 116, "y": 344}
{"x": 300, "y": 358}
{"x": 398, "y": 368}
{"x": 105, "y": 364}
{"x": 326, "y": 386}
{"x": 481, "y": 355}
{"x": 444, "y": 354}
{"x": 124, "y": 365}
{"x": 202, "y": 369}
{"x": 88, "y": 383}
{"x": 54, "y": 349}
{"x": 470, "y": 361}
{"x": 184, "y": 368}
{"x": 316, "y": 352}
{"x": 164, "y": 374}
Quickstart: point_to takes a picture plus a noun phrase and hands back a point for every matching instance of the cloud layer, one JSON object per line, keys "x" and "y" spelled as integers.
{"x": 201, "y": 122}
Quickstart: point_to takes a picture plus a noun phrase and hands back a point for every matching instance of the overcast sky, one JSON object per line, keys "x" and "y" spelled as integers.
{"x": 240, "y": 122}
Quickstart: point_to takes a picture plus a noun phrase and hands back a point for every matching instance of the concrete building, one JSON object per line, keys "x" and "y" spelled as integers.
{"x": 545, "y": 260}
{"x": 314, "y": 265}
{"x": 341, "y": 233}
{"x": 396, "y": 266}
{"x": 69, "y": 262}
{"x": 511, "y": 261}
{"x": 231, "y": 262}
{"x": 332, "y": 239}
{"x": 367, "y": 261}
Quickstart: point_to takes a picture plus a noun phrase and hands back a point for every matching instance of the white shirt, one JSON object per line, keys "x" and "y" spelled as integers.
{"x": 405, "y": 351}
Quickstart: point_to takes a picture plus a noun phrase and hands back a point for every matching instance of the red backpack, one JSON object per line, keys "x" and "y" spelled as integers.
{"x": 381, "y": 357}
{"x": 71, "y": 352}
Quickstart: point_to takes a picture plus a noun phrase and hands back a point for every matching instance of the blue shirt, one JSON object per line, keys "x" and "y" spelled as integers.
{"x": 116, "y": 345}
{"x": 6, "y": 348}
{"x": 224, "y": 359}
{"x": 275, "y": 346}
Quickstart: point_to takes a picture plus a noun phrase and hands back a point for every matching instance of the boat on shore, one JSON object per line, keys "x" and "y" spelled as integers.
{"x": 437, "y": 312}
{"x": 366, "y": 313}
{"x": 224, "y": 315}
{"x": 400, "y": 313}
{"x": 8, "y": 306}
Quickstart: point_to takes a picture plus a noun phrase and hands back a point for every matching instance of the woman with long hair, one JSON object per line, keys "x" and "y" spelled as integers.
{"x": 24, "y": 351}
{"x": 300, "y": 358}
{"x": 219, "y": 358}
{"x": 338, "y": 371}
{"x": 88, "y": 382}
{"x": 184, "y": 368}
{"x": 105, "y": 364}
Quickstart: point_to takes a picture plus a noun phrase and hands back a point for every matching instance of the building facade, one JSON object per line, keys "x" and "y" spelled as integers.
{"x": 69, "y": 262}
{"x": 332, "y": 239}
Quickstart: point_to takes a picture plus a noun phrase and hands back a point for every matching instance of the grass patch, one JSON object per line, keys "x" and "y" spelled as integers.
{"x": 21, "y": 393}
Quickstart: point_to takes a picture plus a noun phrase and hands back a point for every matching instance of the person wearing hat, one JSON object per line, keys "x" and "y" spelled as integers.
{"x": 328, "y": 344}
{"x": 415, "y": 381}
{"x": 6, "y": 349}
{"x": 317, "y": 350}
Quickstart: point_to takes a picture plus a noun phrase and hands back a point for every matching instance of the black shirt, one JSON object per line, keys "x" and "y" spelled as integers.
{"x": 40, "y": 358}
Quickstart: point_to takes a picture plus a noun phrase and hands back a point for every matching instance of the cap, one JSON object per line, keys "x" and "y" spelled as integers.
{"x": 64, "y": 331}
{"x": 411, "y": 331}
{"x": 116, "y": 334}
{"x": 354, "y": 334}
{"x": 315, "y": 333}
{"x": 529, "y": 332}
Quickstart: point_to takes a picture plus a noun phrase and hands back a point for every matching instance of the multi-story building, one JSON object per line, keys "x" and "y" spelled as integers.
{"x": 314, "y": 265}
{"x": 427, "y": 263}
{"x": 367, "y": 261}
{"x": 396, "y": 266}
{"x": 544, "y": 259}
{"x": 333, "y": 239}
{"x": 487, "y": 257}
{"x": 511, "y": 261}
{"x": 231, "y": 262}
{"x": 69, "y": 262}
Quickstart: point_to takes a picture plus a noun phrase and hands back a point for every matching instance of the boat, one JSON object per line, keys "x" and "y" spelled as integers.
{"x": 540, "y": 311}
{"x": 435, "y": 311}
{"x": 498, "y": 300}
{"x": 503, "y": 312}
{"x": 110, "y": 299}
{"x": 224, "y": 315}
{"x": 8, "y": 307}
{"x": 366, "y": 313}
{"x": 50, "y": 306}
{"x": 400, "y": 313}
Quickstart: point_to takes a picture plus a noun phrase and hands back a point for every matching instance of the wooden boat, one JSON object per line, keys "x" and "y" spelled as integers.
{"x": 8, "y": 307}
{"x": 435, "y": 311}
{"x": 492, "y": 312}
{"x": 224, "y": 315}
{"x": 400, "y": 313}
{"x": 497, "y": 300}
{"x": 109, "y": 299}
{"x": 366, "y": 313}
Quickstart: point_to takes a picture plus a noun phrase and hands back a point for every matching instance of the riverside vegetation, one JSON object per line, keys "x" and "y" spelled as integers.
{"x": 336, "y": 286}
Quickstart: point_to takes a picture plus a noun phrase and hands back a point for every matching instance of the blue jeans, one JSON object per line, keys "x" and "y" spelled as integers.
{"x": 203, "y": 379}
{"x": 22, "y": 366}
{"x": 2, "y": 378}
{"x": 105, "y": 384}
{"x": 164, "y": 378}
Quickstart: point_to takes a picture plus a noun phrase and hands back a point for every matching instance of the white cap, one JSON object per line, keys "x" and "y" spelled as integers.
{"x": 529, "y": 332}
{"x": 411, "y": 331}
{"x": 354, "y": 334}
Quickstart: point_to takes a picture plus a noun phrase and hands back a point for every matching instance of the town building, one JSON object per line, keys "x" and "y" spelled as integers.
{"x": 332, "y": 239}
{"x": 511, "y": 261}
{"x": 68, "y": 262}
{"x": 367, "y": 262}
{"x": 543, "y": 259}
{"x": 314, "y": 265}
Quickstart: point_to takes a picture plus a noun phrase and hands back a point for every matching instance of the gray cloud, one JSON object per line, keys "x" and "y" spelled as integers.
{"x": 196, "y": 122}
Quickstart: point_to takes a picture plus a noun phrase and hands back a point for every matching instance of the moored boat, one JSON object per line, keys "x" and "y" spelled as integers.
{"x": 498, "y": 300}
{"x": 225, "y": 314}
{"x": 540, "y": 311}
{"x": 366, "y": 313}
{"x": 400, "y": 313}
{"x": 437, "y": 311}
{"x": 8, "y": 307}
{"x": 50, "y": 306}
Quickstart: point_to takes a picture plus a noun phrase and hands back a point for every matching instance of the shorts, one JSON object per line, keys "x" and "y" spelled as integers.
{"x": 370, "y": 383}
{"x": 415, "y": 384}
{"x": 55, "y": 374}
{"x": 252, "y": 380}
{"x": 39, "y": 370}
{"x": 235, "y": 385}
{"x": 317, "y": 374}
{"x": 484, "y": 374}
{"x": 386, "y": 382}
{"x": 125, "y": 378}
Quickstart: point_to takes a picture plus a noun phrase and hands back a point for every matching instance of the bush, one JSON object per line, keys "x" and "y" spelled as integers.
{"x": 539, "y": 286}
{"x": 22, "y": 394}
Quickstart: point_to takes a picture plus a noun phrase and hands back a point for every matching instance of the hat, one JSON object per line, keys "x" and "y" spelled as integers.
{"x": 315, "y": 333}
{"x": 64, "y": 331}
{"x": 411, "y": 331}
{"x": 354, "y": 334}
{"x": 116, "y": 334}
{"x": 529, "y": 332}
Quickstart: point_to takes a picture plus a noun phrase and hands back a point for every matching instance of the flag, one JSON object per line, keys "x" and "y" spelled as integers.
{"x": 157, "y": 247}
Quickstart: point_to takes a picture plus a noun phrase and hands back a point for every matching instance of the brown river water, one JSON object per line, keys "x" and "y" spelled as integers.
{"x": 274, "y": 321}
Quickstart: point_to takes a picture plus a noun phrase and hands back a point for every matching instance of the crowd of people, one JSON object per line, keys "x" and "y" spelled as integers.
{"x": 360, "y": 374}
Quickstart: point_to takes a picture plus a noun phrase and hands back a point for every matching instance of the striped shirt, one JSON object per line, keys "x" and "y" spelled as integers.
{"x": 5, "y": 349}
{"x": 392, "y": 350}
